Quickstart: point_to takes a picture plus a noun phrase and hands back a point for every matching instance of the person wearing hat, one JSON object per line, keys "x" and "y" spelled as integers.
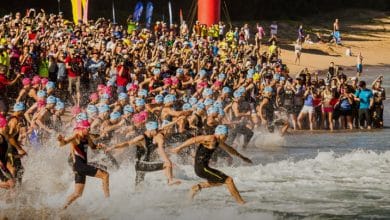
{"x": 207, "y": 144}
{"x": 43, "y": 117}
{"x": 168, "y": 113}
{"x": 266, "y": 108}
{"x": 151, "y": 154}
{"x": 17, "y": 127}
{"x": 241, "y": 114}
{"x": 80, "y": 140}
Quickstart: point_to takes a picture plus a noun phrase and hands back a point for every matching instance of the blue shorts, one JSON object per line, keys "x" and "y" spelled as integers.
{"x": 359, "y": 68}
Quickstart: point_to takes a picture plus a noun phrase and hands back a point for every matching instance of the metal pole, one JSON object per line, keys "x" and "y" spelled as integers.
{"x": 59, "y": 6}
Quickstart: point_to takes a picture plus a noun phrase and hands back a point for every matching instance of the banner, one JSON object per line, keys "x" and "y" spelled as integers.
{"x": 85, "y": 4}
{"x": 181, "y": 16}
{"x": 149, "y": 14}
{"x": 170, "y": 13}
{"x": 74, "y": 11}
{"x": 139, "y": 7}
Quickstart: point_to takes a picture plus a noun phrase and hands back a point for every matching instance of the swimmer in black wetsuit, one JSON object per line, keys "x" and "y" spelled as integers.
{"x": 6, "y": 179}
{"x": 148, "y": 144}
{"x": 80, "y": 141}
{"x": 207, "y": 145}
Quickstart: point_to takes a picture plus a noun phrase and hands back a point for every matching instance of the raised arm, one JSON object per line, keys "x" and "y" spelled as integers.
{"x": 137, "y": 139}
{"x": 187, "y": 143}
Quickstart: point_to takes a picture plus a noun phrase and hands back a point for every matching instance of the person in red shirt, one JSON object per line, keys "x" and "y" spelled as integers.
{"x": 123, "y": 77}
{"x": 74, "y": 67}
{"x": 4, "y": 83}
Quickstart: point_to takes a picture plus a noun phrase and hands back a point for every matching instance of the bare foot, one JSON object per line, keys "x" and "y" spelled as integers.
{"x": 194, "y": 190}
{"x": 174, "y": 182}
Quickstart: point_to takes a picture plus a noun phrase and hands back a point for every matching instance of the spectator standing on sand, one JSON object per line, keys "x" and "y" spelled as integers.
{"x": 336, "y": 31}
{"x": 298, "y": 51}
{"x": 359, "y": 64}
{"x": 273, "y": 29}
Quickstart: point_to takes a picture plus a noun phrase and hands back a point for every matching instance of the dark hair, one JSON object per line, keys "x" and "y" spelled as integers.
{"x": 362, "y": 83}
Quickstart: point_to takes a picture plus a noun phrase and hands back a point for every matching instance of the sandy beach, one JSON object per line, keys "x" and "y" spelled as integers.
{"x": 367, "y": 32}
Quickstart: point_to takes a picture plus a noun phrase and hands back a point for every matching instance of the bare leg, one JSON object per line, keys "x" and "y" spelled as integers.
{"x": 196, "y": 188}
{"x": 300, "y": 118}
{"x": 9, "y": 184}
{"x": 78, "y": 192}
{"x": 105, "y": 180}
{"x": 169, "y": 173}
{"x": 330, "y": 117}
{"x": 233, "y": 190}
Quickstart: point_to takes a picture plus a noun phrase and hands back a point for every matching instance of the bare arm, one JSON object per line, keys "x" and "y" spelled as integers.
{"x": 127, "y": 143}
{"x": 233, "y": 152}
{"x": 187, "y": 143}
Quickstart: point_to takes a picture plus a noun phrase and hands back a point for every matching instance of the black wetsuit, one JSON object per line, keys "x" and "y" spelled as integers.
{"x": 241, "y": 128}
{"x": 202, "y": 169}
{"x": 147, "y": 160}
{"x": 80, "y": 163}
{"x": 4, "y": 172}
{"x": 12, "y": 152}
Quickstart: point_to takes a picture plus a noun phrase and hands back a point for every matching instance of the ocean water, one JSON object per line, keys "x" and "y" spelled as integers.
{"x": 340, "y": 175}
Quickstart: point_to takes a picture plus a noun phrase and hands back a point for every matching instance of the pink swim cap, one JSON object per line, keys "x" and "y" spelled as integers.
{"x": 75, "y": 110}
{"x": 133, "y": 87}
{"x": 201, "y": 85}
{"x": 175, "y": 81}
{"x": 101, "y": 87}
{"x": 36, "y": 80}
{"x": 3, "y": 121}
{"x": 26, "y": 81}
{"x": 139, "y": 118}
{"x": 83, "y": 124}
{"x": 94, "y": 97}
{"x": 44, "y": 81}
{"x": 167, "y": 81}
{"x": 218, "y": 83}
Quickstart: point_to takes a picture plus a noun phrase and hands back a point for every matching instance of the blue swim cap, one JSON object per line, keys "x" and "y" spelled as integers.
{"x": 158, "y": 65}
{"x": 187, "y": 106}
{"x": 81, "y": 117}
{"x": 193, "y": 100}
{"x": 237, "y": 94}
{"x": 221, "y": 76}
{"x": 221, "y": 130}
{"x": 282, "y": 78}
{"x": 226, "y": 90}
{"x": 202, "y": 73}
{"x": 221, "y": 112}
{"x": 139, "y": 102}
{"x": 111, "y": 82}
{"x": 268, "y": 89}
{"x": 143, "y": 92}
{"x": 122, "y": 96}
{"x": 151, "y": 125}
{"x": 212, "y": 110}
{"x": 115, "y": 115}
{"x": 207, "y": 92}
{"x": 104, "y": 96}
{"x": 169, "y": 98}
{"x": 242, "y": 89}
{"x": 50, "y": 85}
{"x": 165, "y": 122}
{"x": 59, "y": 105}
{"x": 251, "y": 72}
{"x": 128, "y": 109}
{"x": 51, "y": 100}
{"x": 208, "y": 102}
{"x": 200, "y": 106}
{"x": 41, "y": 94}
{"x": 156, "y": 71}
{"x": 218, "y": 104}
{"x": 159, "y": 99}
{"x": 19, "y": 107}
{"x": 277, "y": 77}
{"x": 185, "y": 99}
{"x": 180, "y": 71}
{"x": 92, "y": 109}
{"x": 103, "y": 108}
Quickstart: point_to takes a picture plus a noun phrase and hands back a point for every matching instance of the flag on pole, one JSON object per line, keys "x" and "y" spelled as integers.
{"x": 181, "y": 16}
{"x": 79, "y": 11}
{"x": 113, "y": 13}
{"x": 170, "y": 13}
{"x": 139, "y": 7}
{"x": 74, "y": 11}
{"x": 149, "y": 14}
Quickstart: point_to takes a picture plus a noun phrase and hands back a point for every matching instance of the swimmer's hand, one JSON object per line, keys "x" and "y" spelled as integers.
{"x": 174, "y": 150}
{"x": 100, "y": 146}
{"x": 22, "y": 153}
{"x": 60, "y": 138}
{"x": 108, "y": 149}
{"x": 246, "y": 160}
